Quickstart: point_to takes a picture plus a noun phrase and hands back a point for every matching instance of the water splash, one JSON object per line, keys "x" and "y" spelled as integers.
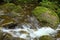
{"x": 29, "y": 31}
{"x": 58, "y": 28}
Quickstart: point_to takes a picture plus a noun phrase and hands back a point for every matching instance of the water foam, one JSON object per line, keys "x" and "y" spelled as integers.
{"x": 31, "y": 33}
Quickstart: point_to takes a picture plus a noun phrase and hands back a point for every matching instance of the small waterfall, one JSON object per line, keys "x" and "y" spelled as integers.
{"x": 30, "y": 30}
{"x": 29, "y": 33}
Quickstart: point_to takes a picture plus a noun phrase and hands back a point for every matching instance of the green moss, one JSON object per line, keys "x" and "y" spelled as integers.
{"x": 8, "y": 7}
{"x": 46, "y": 38}
{"x": 58, "y": 12}
{"x": 46, "y": 16}
{"x": 18, "y": 9}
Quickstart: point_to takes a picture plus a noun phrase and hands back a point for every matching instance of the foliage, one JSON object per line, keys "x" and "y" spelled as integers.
{"x": 58, "y": 12}
{"x": 24, "y": 1}
{"x": 20, "y": 1}
{"x": 49, "y": 4}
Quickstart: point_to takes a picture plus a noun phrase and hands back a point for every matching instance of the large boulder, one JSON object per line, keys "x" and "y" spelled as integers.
{"x": 46, "y": 16}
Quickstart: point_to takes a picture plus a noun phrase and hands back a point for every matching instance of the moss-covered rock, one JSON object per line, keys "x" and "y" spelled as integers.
{"x": 6, "y": 20}
{"x": 11, "y": 10}
{"x": 18, "y": 9}
{"x": 8, "y": 7}
{"x": 46, "y": 38}
{"x": 46, "y": 16}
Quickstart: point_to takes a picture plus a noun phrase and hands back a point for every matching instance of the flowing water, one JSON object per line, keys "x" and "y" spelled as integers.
{"x": 31, "y": 30}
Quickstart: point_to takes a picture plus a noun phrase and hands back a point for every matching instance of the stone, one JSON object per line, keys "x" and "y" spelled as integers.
{"x": 6, "y": 20}
{"x": 46, "y": 38}
{"x": 7, "y": 36}
{"x": 1, "y": 35}
{"x": 46, "y": 16}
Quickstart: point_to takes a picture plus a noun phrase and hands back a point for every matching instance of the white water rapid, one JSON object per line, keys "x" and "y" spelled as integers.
{"x": 30, "y": 33}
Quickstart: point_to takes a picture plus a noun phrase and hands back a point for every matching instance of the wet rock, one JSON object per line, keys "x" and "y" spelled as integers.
{"x": 10, "y": 26}
{"x": 1, "y": 12}
{"x": 33, "y": 21}
{"x": 46, "y": 38}
{"x": 17, "y": 38}
{"x": 7, "y": 21}
{"x": 30, "y": 22}
{"x": 23, "y": 32}
{"x": 1, "y": 35}
{"x": 58, "y": 34}
{"x": 46, "y": 16}
{"x": 7, "y": 37}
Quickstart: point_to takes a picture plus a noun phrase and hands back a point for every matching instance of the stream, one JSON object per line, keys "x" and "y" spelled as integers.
{"x": 31, "y": 30}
